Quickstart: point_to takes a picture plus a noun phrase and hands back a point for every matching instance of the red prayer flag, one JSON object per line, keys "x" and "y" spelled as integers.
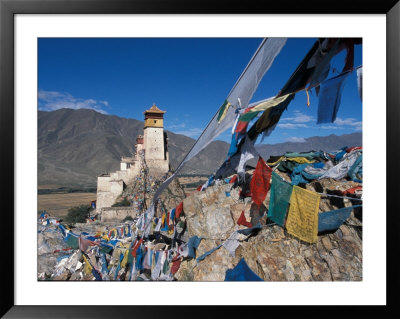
{"x": 354, "y": 148}
{"x": 259, "y": 184}
{"x": 175, "y": 266}
{"x": 241, "y": 127}
{"x": 179, "y": 210}
{"x": 351, "y": 190}
{"x": 242, "y": 220}
{"x": 233, "y": 179}
{"x": 243, "y": 194}
{"x": 199, "y": 188}
{"x": 135, "y": 247}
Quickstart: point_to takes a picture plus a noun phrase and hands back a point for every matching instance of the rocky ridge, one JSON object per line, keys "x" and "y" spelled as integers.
{"x": 212, "y": 214}
{"x": 273, "y": 254}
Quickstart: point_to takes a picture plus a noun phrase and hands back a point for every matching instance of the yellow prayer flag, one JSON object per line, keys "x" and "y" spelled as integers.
{"x": 302, "y": 220}
{"x": 88, "y": 266}
{"x": 223, "y": 110}
{"x": 125, "y": 259}
{"x": 277, "y": 162}
{"x": 269, "y": 103}
{"x": 300, "y": 160}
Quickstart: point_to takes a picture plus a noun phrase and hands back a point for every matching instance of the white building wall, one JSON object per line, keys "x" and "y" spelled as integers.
{"x": 103, "y": 184}
{"x": 116, "y": 214}
{"x": 154, "y": 143}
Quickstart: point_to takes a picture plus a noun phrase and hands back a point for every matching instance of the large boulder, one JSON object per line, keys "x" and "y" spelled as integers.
{"x": 272, "y": 254}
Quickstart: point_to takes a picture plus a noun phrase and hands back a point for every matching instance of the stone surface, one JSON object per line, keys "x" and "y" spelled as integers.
{"x": 272, "y": 254}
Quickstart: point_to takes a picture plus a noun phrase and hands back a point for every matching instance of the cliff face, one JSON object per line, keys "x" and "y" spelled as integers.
{"x": 272, "y": 254}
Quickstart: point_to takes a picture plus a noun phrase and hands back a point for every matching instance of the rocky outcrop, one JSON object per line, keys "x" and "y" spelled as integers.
{"x": 273, "y": 254}
{"x": 141, "y": 191}
{"x": 213, "y": 214}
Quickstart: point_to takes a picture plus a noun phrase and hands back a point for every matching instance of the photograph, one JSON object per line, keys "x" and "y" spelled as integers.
{"x": 201, "y": 159}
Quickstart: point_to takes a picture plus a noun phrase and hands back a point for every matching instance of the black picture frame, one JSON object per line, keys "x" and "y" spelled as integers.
{"x": 8, "y": 8}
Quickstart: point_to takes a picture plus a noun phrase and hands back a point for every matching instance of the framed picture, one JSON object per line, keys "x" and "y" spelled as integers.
{"x": 23, "y": 24}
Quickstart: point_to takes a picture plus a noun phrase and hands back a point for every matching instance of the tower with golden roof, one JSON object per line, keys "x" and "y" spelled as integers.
{"x": 155, "y": 141}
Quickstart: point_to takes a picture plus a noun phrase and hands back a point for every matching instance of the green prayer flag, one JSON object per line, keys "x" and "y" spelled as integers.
{"x": 222, "y": 110}
{"x": 247, "y": 117}
{"x": 279, "y": 199}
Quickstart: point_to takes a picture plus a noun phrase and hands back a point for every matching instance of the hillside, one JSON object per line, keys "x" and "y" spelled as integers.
{"x": 75, "y": 146}
{"x": 316, "y": 143}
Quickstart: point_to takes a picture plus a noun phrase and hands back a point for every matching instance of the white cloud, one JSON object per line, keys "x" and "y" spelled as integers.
{"x": 292, "y": 126}
{"x": 357, "y": 125}
{"x": 331, "y": 127}
{"x": 51, "y": 101}
{"x": 175, "y": 126}
{"x": 299, "y": 117}
{"x": 295, "y": 139}
{"x": 344, "y": 123}
{"x": 192, "y": 132}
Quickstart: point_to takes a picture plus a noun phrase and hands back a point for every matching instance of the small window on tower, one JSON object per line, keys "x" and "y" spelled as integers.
{"x": 155, "y": 121}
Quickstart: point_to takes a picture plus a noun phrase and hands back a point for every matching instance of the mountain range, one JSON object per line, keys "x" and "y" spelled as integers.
{"x": 316, "y": 143}
{"x": 75, "y": 146}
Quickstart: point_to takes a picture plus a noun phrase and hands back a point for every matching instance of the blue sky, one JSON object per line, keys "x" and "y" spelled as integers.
{"x": 188, "y": 77}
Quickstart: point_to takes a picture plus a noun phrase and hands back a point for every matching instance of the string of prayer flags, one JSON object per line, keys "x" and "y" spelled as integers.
{"x": 192, "y": 244}
{"x": 250, "y": 231}
{"x": 164, "y": 222}
{"x": 329, "y": 98}
{"x": 302, "y": 220}
{"x": 232, "y": 243}
{"x": 125, "y": 258}
{"x": 88, "y": 267}
{"x": 332, "y": 220}
{"x": 242, "y": 221}
{"x": 72, "y": 240}
{"x": 158, "y": 226}
{"x": 270, "y": 117}
{"x": 247, "y": 152}
{"x": 139, "y": 258}
{"x": 328, "y": 48}
{"x": 233, "y": 179}
{"x": 155, "y": 273}
{"x": 238, "y": 97}
{"x": 313, "y": 68}
{"x": 207, "y": 253}
{"x": 179, "y": 210}
{"x": 279, "y": 199}
{"x": 135, "y": 247}
{"x": 96, "y": 275}
{"x": 175, "y": 266}
{"x": 259, "y": 184}
{"x": 315, "y": 65}
{"x": 252, "y": 111}
{"x": 172, "y": 216}
{"x": 223, "y": 110}
{"x": 83, "y": 243}
{"x": 242, "y": 272}
{"x": 359, "y": 81}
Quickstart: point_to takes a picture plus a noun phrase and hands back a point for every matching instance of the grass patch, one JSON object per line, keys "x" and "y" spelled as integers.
{"x": 127, "y": 218}
{"x": 77, "y": 214}
{"x": 123, "y": 203}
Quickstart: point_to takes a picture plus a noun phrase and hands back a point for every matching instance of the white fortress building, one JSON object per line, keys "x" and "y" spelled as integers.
{"x": 153, "y": 145}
